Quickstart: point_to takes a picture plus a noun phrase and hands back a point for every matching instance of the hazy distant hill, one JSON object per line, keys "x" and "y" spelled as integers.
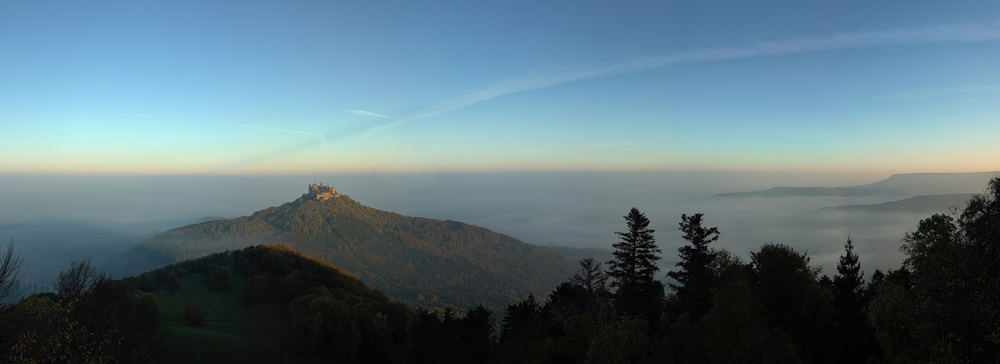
{"x": 805, "y": 192}
{"x": 917, "y": 205}
{"x": 573, "y": 255}
{"x": 909, "y": 184}
{"x": 416, "y": 260}
{"x": 47, "y": 246}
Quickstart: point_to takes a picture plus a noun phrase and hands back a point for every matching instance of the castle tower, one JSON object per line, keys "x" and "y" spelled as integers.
{"x": 321, "y": 192}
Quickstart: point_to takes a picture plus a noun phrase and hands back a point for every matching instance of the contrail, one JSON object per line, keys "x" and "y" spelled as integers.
{"x": 304, "y": 132}
{"x": 265, "y": 155}
{"x": 949, "y": 33}
{"x": 369, "y": 113}
{"x": 945, "y": 33}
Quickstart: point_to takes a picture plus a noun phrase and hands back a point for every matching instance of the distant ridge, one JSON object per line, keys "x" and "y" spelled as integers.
{"x": 916, "y": 205}
{"x": 420, "y": 261}
{"x": 572, "y": 254}
{"x": 784, "y": 191}
{"x": 907, "y": 184}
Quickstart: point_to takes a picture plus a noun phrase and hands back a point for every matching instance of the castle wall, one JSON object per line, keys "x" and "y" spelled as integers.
{"x": 321, "y": 192}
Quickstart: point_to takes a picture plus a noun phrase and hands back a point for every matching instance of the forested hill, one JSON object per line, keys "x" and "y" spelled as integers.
{"x": 268, "y": 304}
{"x": 423, "y": 262}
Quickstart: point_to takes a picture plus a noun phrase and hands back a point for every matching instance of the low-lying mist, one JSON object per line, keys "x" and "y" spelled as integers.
{"x": 57, "y": 219}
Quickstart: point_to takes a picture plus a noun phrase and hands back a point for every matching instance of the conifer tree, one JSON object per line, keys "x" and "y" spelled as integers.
{"x": 635, "y": 253}
{"x": 849, "y": 281}
{"x": 633, "y": 269}
{"x": 695, "y": 277}
{"x": 852, "y": 329}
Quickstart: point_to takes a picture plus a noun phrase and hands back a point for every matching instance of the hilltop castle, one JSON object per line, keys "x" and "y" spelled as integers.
{"x": 321, "y": 192}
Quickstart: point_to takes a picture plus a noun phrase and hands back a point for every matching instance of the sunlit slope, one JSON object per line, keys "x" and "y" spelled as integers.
{"x": 416, "y": 260}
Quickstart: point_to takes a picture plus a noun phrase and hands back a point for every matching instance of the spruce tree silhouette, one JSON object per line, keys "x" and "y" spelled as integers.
{"x": 635, "y": 253}
{"x": 849, "y": 281}
{"x": 633, "y": 269}
{"x": 695, "y": 278}
{"x": 852, "y": 328}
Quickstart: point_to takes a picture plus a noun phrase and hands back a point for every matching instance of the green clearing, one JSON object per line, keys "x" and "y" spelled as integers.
{"x": 231, "y": 332}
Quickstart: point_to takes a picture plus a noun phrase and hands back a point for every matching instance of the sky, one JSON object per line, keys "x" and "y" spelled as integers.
{"x": 293, "y": 87}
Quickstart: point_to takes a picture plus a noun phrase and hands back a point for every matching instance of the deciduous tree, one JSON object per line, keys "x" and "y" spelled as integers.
{"x": 10, "y": 273}
{"x": 80, "y": 276}
{"x": 591, "y": 276}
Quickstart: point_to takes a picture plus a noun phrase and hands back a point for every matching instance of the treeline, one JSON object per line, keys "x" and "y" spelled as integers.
{"x": 940, "y": 306}
{"x": 92, "y": 319}
{"x": 88, "y": 319}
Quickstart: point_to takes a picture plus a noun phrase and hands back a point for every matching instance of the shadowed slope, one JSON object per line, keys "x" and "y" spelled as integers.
{"x": 268, "y": 304}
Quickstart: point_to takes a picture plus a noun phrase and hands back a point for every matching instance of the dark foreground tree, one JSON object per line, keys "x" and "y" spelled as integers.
{"x": 524, "y": 326}
{"x": 10, "y": 273}
{"x": 476, "y": 335}
{"x": 108, "y": 323}
{"x": 633, "y": 269}
{"x": 695, "y": 277}
{"x": 980, "y": 223}
{"x": 852, "y": 329}
{"x": 469, "y": 339}
{"x": 849, "y": 281}
{"x": 635, "y": 252}
{"x": 942, "y": 306}
{"x": 793, "y": 300}
{"x": 193, "y": 314}
{"x": 591, "y": 276}
{"x": 80, "y": 276}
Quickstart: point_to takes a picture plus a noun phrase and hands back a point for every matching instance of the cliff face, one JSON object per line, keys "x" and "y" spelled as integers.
{"x": 415, "y": 260}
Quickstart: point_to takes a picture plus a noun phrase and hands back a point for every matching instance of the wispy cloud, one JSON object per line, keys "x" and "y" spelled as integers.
{"x": 263, "y": 155}
{"x": 369, "y": 113}
{"x": 946, "y": 33}
{"x": 291, "y": 131}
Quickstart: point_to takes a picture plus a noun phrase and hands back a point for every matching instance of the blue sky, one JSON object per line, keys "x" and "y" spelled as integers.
{"x": 305, "y": 87}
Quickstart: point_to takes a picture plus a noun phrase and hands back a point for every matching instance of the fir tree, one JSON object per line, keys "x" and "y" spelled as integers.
{"x": 852, "y": 330}
{"x": 635, "y": 253}
{"x": 633, "y": 269}
{"x": 849, "y": 281}
{"x": 695, "y": 277}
